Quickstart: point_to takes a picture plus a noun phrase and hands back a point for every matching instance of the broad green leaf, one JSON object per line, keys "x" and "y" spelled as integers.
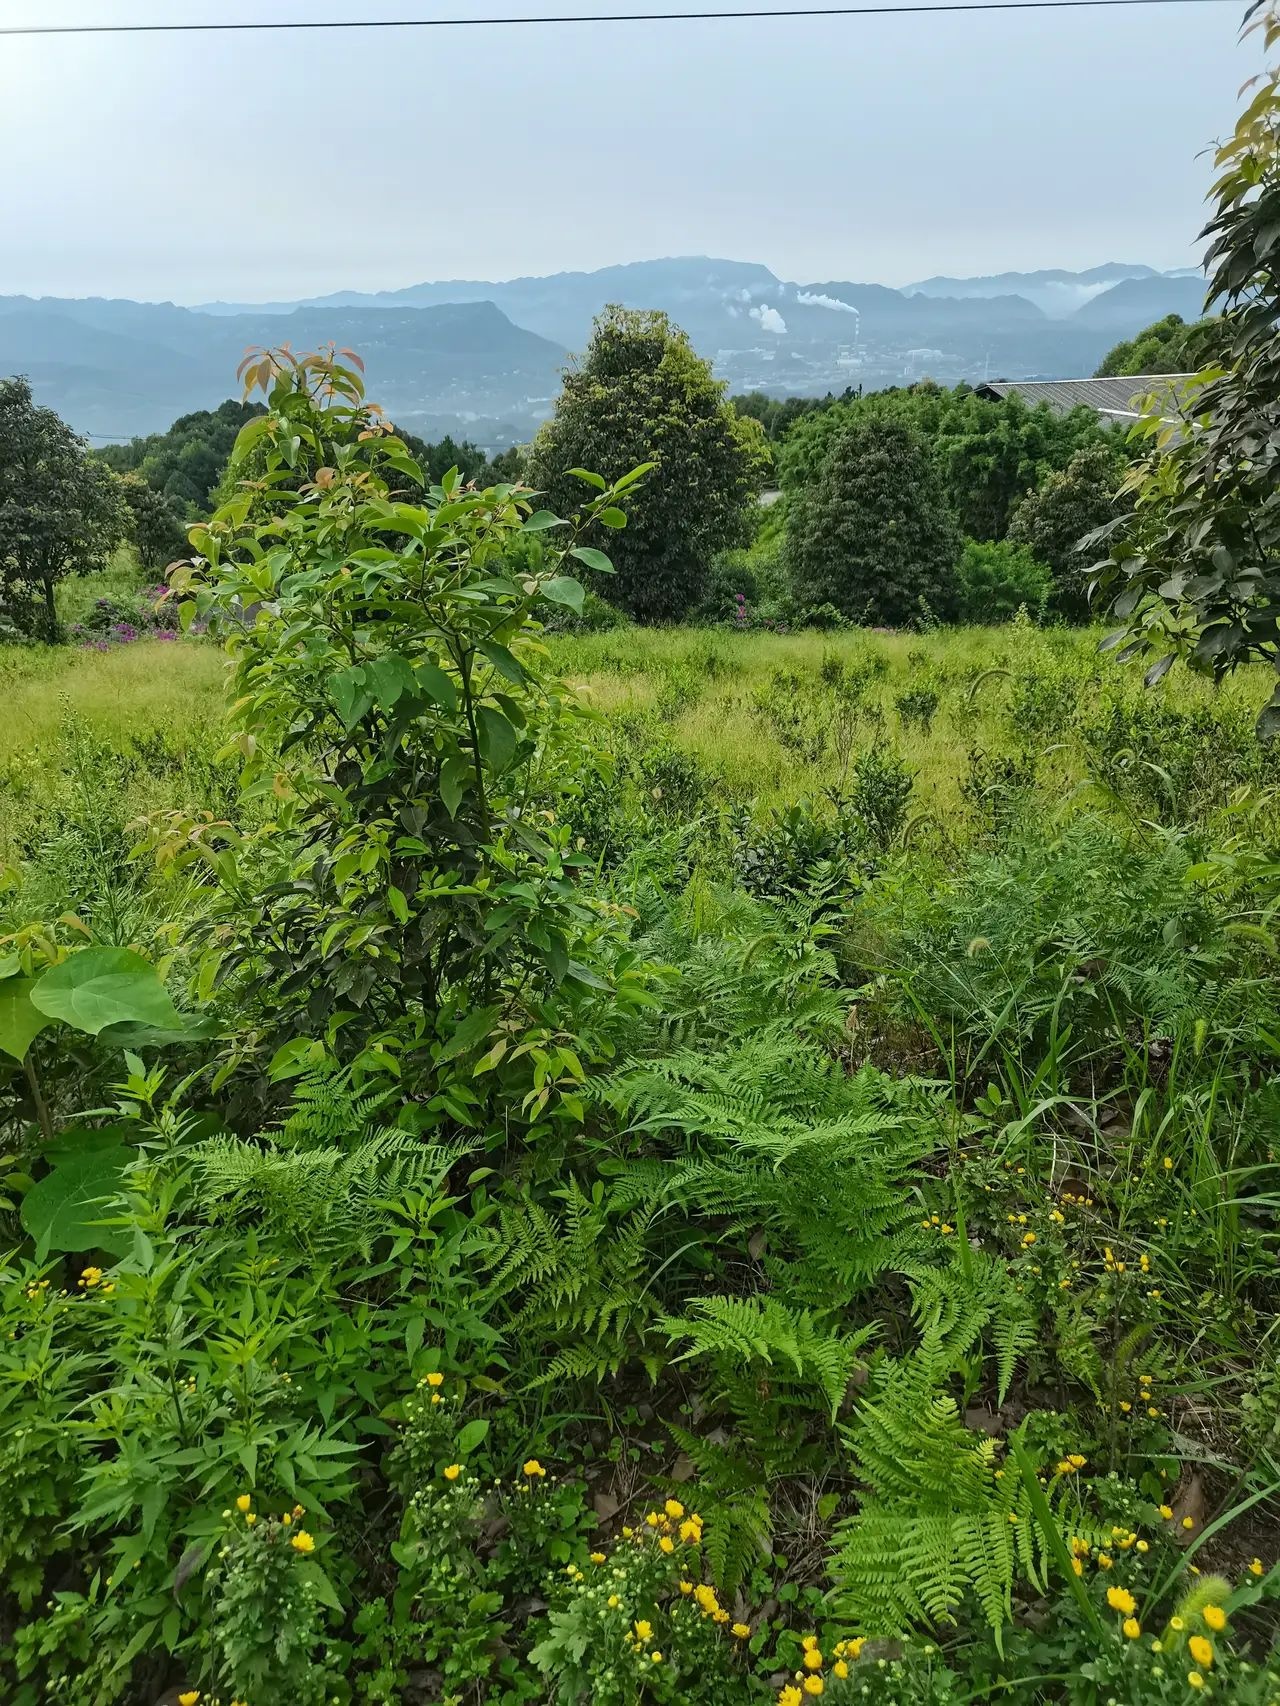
{"x": 20, "y": 1021}
{"x": 437, "y": 686}
{"x": 469, "y": 1033}
{"x": 540, "y": 520}
{"x": 398, "y": 904}
{"x": 591, "y": 479}
{"x": 59, "y": 1210}
{"x": 455, "y": 778}
{"x": 350, "y": 695}
{"x": 471, "y": 1435}
{"x": 592, "y": 558}
{"x": 563, "y": 589}
{"x": 388, "y": 677}
{"x": 612, "y": 517}
{"x": 503, "y": 661}
{"x": 497, "y": 737}
{"x": 105, "y": 986}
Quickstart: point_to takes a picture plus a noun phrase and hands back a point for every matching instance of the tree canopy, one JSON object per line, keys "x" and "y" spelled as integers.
{"x": 1168, "y": 346}
{"x": 641, "y": 395}
{"x": 989, "y": 453}
{"x": 1053, "y": 521}
{"x": 185, "y": 463}
{"x": 873, "y": 535}
{"x": 61, "y": 511}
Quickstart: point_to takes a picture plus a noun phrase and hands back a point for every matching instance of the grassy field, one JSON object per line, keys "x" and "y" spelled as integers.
{"x": 765, "y": 719}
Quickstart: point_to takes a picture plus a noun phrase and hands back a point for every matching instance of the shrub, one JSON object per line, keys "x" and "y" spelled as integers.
{"x": 873, "y": 535}
{"x": 998, "y": 579}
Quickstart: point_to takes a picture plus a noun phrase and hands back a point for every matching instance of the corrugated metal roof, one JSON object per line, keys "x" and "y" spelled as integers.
{"x": 1117, "y": 399}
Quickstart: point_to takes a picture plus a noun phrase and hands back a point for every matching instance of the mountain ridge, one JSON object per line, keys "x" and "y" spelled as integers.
{"x": 484, "y": 356}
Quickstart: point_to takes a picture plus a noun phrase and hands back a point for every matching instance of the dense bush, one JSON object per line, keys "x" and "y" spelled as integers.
{"x": 998, "y": 579}
{"x": 990, "y": 453}
{"x": 872, "y": 536}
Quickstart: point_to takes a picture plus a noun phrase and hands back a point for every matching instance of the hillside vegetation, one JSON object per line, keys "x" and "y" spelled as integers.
{"x": 549, "y": 1160}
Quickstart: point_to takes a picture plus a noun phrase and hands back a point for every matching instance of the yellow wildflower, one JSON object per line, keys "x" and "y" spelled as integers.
{"x": 250, "y": 1518}
{"x": 302, "y": 1541}
{"x": 1195, "y": 1679}
{"x": 1120, "y": 1599}
{"x": 1176, "y": 1623}
{"x": 1215, "y": 1617}
{"x": 190, "y": 1698}
{"x": 613, "y": 1602}
{"x": 533, "y": 1467}
{"x": 1255, "y": 1567}
{"x": 667, "y": 1544}
{"x": 813, "y": 1658}
{"x": 1132, "y": 1628}
{"x": 691, "y": 1531}
{"x": 651, "y": 1517}
{"x": 1076, "y": 1461}
{"x": 1166, "y": 1512}
{"x": 597, "y": 1557}
{"x": 674, "y": 1509}
{"x": 1201, "y": 1650}
{"x": 686, "y": 1587}
{"x": 655, "y": 1657}
{"x": 243, "y": 1503}
{"x": 453, "y": 1471}
{"x": 1028, "y": 1238}
{"x": 741, "y": 1630}
{"x": 644, "y": 1630}
{"x": 840, "y": 1668}
{"x": 789, "y": 1697}
{"x": 855, "y": 1646}
{"x": 808, "y": 1642}
{"x": 435, "y": 1380}
{"x": 1077, "y": 1566}
{"x": 1188, "y": 1522}
{"x": 813, "y": 1685}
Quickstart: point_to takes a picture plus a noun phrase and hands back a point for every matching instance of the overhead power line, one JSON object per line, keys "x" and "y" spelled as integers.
{"x": 587, "y": 17}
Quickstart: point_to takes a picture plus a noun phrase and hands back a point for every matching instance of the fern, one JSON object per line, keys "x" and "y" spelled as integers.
{"x": 733, "y": 1332}
{"x": 326, "y": 1184}
{"x": 941, "y": 1519}
{"x": 970, "y": 1301}
{"x": 580, "y": 1280}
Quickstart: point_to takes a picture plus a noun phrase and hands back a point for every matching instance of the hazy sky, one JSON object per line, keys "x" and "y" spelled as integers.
{"x": 274, "y": 165}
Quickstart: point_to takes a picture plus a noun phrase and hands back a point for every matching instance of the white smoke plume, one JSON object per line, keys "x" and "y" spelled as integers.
{"x": 770, "y": 319}
{"x": 815, "y": 299}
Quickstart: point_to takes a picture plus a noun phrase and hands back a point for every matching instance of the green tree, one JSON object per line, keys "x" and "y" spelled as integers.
{"x": 641, "y": 395}
{"x": 1168, "y": 346}
{"x": 61, "y": 511}
{"x": 1194, "y": 570}
{"x": 1054, "y": 521}
{"x": 990, "y": 453}
{"x": 997, "y": 578}
{"x": 416, "y": 878}
{"x": 158, "y": 532}
{"x": 185, "y": 464}
{"x": 873, "y": 535}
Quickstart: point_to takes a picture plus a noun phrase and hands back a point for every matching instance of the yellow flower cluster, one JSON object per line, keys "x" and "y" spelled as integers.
{"x": 533, "y": 1469}
{"x": 1069, "y": 1465}
{"x": 809, "y": 1679}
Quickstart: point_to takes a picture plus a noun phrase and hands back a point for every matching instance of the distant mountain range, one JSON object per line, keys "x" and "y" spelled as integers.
{"x": 484, "y": 357}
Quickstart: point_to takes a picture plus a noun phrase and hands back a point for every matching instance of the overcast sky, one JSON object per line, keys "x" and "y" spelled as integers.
{"x": 266, "y": 165}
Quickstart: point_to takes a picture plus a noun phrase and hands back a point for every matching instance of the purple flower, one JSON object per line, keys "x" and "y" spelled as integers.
{"x": 165, "y": 634}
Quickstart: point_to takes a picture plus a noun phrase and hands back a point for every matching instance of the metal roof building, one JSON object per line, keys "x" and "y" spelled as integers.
{"x": 1116, "y": 400}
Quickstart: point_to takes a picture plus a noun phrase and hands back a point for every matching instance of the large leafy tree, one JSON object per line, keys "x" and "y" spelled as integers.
{"x": 1054, "y": 521}
{"x": 1195, "y": 569}
{"x": 1167, "y": 346}
{"x": 61, "y": 511}
{"x": 641, "y": 395}
{"x": 158, "y": 532}
{"x": 186, "y": 463}
{"x": 873, "y": 535}
{"x": 989, "y": 453}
